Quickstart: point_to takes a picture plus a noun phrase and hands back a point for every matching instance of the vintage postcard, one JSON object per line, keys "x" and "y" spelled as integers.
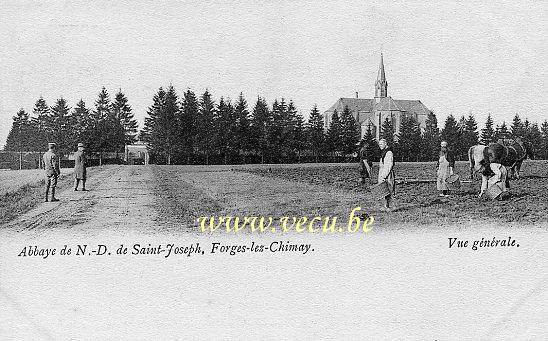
{"x": 273, "y": 170}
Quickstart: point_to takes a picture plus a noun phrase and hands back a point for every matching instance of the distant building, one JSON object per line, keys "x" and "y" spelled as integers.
{"x": 371, "y": 112}
{"x": 136, "y": 154}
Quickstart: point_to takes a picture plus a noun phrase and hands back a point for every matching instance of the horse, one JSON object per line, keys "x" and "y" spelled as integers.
{"x": 509, "y": 152}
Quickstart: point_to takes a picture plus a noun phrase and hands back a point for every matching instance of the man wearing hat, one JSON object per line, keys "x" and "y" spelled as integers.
{"x": 80, "y": 167}
{"x": 51, "y": 165}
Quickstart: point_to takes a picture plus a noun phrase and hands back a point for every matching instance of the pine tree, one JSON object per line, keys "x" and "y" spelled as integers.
{"x": 409, "y": 139}
{"x": 40, "y": 121}
{"x": 526, "y": 128}
{"x": 517, "y": 129}
{"x": 334, "y": 135}
{"x": 243, "y": 128}
{"x": 19, "y": 138}
{"x": 468, "y": 136}
{"x": 450, "y": 132}
{"x": 387, "y": 132}
{"x": 299, "y": 136}
{"x": 534, "y": 136}
{"x": 149, "y": 132}
{"x": 224, "y": 128}
{"x": 370, "y": 142}
{"x": 315, "y": 132}
{"x": 82, "y": 124}
{"x": 290, "y": 145}
{"x": 204, "y": 125}
{"x": 101, "y": 125}
{"x": 60, "y": 126}
{"x": 165, "y": 129}
{"x": 488, "y": 133}
{"x": 471, "y": 128}
{"x": 350, "y": 132}
{"x": 430, "y": 138}
{"x": 502, "y": 132}
{"x": 122, "y": 111}
{"x": 187, "y": 124}
{"x": 544, "y": 145}
{"x": 260, "y": 118}
{"x": 115, "y": 133}
{"x": 275, "y": 131}
{"x": 103, "y": 107}
{"x": 460, "y": 148}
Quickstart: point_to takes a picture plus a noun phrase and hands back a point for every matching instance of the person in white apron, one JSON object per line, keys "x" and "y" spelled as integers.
{"x": 446, "y": 164}
{"x": 386, "y": 171}
{"x": 499, "y": 179}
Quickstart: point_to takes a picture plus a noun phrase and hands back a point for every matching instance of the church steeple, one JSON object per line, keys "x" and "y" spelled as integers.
{"x": 381, "y": 85}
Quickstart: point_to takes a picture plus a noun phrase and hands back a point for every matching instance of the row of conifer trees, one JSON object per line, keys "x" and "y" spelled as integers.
{"x": 194, "y": 129}
{"x": 105, "y": 128}
{"x": 415, "y": 144}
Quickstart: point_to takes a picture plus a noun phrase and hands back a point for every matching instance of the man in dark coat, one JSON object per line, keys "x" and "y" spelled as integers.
{"x": 80, "y": 167}
{"x": 51, "y": 165}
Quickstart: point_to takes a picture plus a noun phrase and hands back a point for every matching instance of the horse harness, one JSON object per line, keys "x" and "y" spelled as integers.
{"x": 511, "y": 152}
{"x": 508, "y": 152}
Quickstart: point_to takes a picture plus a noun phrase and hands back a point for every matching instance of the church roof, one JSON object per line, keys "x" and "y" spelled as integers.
{"x": 364, "y": 109}
{"x": 359, "y": 104}
{"x": 385, "y": 104}
{"x": 414, "y": 106}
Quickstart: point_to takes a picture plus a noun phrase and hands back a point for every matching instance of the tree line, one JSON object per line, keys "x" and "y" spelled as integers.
{"x": 107, "y": 127}
{"x": 415, "y": 144}
{"x": 196, "y": 129}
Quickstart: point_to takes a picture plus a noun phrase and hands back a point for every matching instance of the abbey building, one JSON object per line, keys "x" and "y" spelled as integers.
{"x": 371, "y": 112}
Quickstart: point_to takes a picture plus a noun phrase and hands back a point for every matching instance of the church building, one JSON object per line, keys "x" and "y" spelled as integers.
{"x": 372, "y": 112}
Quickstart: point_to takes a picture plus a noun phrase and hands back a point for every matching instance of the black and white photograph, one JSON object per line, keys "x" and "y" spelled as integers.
{"x": 273, "y": 170}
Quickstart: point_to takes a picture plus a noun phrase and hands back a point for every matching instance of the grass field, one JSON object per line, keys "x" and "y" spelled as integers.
{"x": 13, "y": 180}
{"x": 178, "y": 195}
{"x": 420, "y": 202}
{"x": 334, "y": 189}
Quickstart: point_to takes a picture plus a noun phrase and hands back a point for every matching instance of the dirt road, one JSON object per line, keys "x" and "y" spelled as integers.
{"x": 119, "y": 198}
{"x": 404, "y": 283}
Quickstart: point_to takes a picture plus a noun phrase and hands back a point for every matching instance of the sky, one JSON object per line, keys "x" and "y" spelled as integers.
{"x": 473, "y": 57}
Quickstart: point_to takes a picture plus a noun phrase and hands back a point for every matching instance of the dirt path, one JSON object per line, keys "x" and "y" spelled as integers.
{"x": 119, "y": 198}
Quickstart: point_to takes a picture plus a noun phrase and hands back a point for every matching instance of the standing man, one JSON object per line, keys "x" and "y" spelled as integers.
{"x": 386, "y": 171}
{"x": 51, "y": 165}
{"x": 365, "y": 164}
{"x": 80, "y": 167}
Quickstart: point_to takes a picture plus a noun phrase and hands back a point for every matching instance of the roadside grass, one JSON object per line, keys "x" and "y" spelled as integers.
{"x": 27, "y": 196}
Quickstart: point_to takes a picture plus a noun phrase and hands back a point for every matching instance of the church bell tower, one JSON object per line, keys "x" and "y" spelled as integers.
{"x": 381, "y": 85}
